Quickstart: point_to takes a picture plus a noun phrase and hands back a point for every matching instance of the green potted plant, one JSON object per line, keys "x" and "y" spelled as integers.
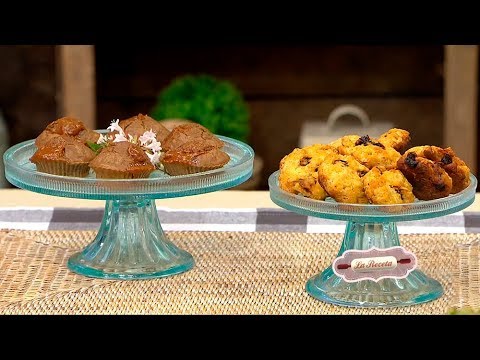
{"x": 216, "y": 104}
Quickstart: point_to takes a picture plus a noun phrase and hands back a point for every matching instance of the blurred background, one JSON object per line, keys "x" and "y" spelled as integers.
{"x": 430, "y": 91}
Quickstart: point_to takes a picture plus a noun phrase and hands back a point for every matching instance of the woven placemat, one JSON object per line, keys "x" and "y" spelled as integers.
{"x": 467, "y": 276}
{"x": 235, "y": 273}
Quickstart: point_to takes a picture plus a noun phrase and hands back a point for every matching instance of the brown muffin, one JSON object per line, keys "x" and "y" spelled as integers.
{"x": 69, "y": 126}
{"x": 122, "y": 160}
{"x": 137, "y": 125}
{"x": 87, "y": 136}
{"x": 63, "y": 155}
{"x": 189, "y": 132}
{"x": 193, "y": 157}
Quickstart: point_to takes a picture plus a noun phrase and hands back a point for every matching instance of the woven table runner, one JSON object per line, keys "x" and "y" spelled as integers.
{"x": 235, "y": 273}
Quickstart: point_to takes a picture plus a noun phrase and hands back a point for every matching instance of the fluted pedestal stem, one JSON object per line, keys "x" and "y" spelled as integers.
{"x": 130, "y": 244}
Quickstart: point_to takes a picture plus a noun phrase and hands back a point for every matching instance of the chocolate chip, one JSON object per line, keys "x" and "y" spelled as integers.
{"x": 398, "y": 191}
{"x": 342, "y": 161}
{"x": 440, "y": 187}
{"x": 377, "y": 144}
{"x": 446, "y": 159}
{"x": 365, "y": 140}
{"x": 410, "y": 160}
{"x": 305, "y": 161}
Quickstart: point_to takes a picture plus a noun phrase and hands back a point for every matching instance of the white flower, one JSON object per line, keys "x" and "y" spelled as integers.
{"x": 154, "y": 146}
{"x": 147, "y": 141}
{"x": 154, "y": 158}
{"x": 119, "y": 138}
{"x": 146, "y": 137}
{"x": 102, "y": 139}
{"x": 121, "y": 134}
{"x": 115, "y": 127}
{"x": 151, "y": 146}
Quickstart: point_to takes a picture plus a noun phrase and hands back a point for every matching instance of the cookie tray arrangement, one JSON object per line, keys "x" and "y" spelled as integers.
{"x": 372, "y": 269}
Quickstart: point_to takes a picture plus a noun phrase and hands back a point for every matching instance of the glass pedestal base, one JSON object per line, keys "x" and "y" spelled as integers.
{"x": 416, "y": 288}
{"x": 130, "y": 245}
{"x": 369, "y": 226}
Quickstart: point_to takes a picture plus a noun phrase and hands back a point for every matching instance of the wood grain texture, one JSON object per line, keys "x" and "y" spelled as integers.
{"x": 76, "y": 88}
{"x": 261, "y": 71}
{"x": 27, "y": 89}
{"x": 461, "y": 101}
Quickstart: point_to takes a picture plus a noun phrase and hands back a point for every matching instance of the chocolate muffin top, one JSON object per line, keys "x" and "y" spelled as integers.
{"x": 197, "y": 153}
{"x": 87, "y": 136}
{"x": 137, "y": 125}
{"x": 69, "y": 126}
{"x": 188, "y": 132}
{"x": 63, "y": 148}
{"x": 122, "y": 156}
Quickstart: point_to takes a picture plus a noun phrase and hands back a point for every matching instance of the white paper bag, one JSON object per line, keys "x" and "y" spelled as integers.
{"x": 323, "y": 132}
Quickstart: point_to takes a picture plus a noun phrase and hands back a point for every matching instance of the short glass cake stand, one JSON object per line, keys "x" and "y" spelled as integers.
{"x": 130, "y": 243}
{"x": 371, "y": 226}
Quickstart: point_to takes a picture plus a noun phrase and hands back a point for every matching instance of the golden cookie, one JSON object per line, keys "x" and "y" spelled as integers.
{"x": 387, "y": 187}
{"x": 396, "y": 138}
{"x": 299, "y": 171}
{"x": 341, "y": 177}
{"x": 345, "y": 141}
{"x": 371, "y": 153}
{"x": 318, "y": 152}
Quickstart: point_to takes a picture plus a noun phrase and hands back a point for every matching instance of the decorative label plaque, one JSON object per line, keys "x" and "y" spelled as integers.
{"x": 374, "y": 264}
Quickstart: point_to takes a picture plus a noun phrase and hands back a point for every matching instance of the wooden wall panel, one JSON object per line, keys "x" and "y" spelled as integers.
{"x": 266, "y": 71}
{"x": 76, "y": 85}
{"x": 112, "y": 109}
{"x": 461, "y": 101}
{"x": 27, "y": 89}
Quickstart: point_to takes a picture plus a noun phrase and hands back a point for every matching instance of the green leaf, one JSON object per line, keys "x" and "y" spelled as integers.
{"x": 466, "y": 310}
{"x": 94, "y": 146}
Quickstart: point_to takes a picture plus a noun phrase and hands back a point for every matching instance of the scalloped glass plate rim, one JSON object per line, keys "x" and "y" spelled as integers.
{"x": 273, "y": 180}
{"x": 144, "y": 181}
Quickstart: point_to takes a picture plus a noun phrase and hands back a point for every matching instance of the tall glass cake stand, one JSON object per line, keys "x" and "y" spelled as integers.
{"x": 130, "y": 243}
{"x": 371, "y": 226}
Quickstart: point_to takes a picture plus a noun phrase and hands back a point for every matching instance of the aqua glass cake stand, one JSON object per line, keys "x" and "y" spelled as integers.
{"x": 130, "y": 243}
{"x": 372, "y": 226}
